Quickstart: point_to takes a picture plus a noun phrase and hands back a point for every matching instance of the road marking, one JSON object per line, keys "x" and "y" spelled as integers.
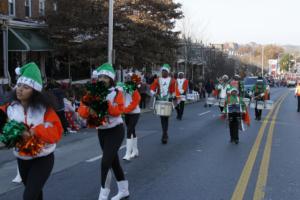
{"x": 201, "y": 114}
{"x": 265, "y": 162}
{"x": 242, "y": 184}
{"x": 99, "y": 157}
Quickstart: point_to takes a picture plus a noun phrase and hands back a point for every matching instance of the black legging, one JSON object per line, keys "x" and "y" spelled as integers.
{"x": 110, "y": 142}
{"x": 164, "y": 124}
{"x": 143, "y": 100}
{"x": 131, "y": 121}
{"x": 34, "y": 175}
{"x": 234, "y": 126}
{"x": 257, "y": 111}
{"x": 64, "y": 121}
{"x": 180, "y": 109}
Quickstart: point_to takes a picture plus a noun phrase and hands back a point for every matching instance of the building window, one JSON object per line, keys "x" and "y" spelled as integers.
{"x": 11, "y": 7}
{"x": 42, "y": 7}
{"x": 28, "y": 8}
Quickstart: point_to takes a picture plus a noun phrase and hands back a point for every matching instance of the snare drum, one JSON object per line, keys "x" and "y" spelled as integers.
{"x": 163, "y": 108}
{"x": 269, "y": 104}
{"x": 246, "y": 101}
{"x": 234, "y": 108}
{"x": 260, "y": 105}
{"x": 222, "y": 102}
{"x": 182, "y": 98}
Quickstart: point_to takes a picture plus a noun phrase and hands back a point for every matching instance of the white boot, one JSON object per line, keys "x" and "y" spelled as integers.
{"x": 135, "y": 151}
{"x": 104, "y": 192}
{"x": 128, "y": 149}
{"x": 18, "y": 178}
{"x": 123, "y": 191}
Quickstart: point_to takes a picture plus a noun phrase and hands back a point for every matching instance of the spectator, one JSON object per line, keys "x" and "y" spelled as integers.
{"x": 54, "y": 88}
{"x": 209, "y": 87}
{"x": 143, "y": 92}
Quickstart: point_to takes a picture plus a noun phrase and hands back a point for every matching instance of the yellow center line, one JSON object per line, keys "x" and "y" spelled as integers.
{"x": 242, "y": 184}
{"x": 264, "y": 167}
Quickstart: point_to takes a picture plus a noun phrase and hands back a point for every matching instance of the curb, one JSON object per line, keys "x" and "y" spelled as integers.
{"x": 1, "y": 146}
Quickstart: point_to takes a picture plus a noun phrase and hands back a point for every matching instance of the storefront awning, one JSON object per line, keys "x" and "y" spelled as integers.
{"x": 26, "y": 40}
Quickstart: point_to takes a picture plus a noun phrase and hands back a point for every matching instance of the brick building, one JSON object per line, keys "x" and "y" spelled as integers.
{"x": 21, "y": 40}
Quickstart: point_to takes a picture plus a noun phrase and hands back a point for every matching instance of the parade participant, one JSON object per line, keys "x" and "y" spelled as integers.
{"x": 235, "y": 82}
{"x": 182, "y": 86}
{"x": 297, "y": 94}
{"x": 132, "y": 113}
{"x": 235, "y": 110}
{"x": 223, "y": 87}
{"x": 164, "y": 88}
{"x": 110, "y": 127}
{"x": 30, "y": 114}
{"x": 260, "y": 94}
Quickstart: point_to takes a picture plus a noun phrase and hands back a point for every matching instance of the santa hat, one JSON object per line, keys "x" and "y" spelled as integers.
{"x": 233, "y": 89}
{"x": 166, "y": 67}
{"x": 105, "y": 69}
{"x": 180, "y": 73}
{"x": 30, "y": 75}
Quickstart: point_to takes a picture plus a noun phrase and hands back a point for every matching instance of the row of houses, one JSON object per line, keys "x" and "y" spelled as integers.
{"x": 20, "y": 37}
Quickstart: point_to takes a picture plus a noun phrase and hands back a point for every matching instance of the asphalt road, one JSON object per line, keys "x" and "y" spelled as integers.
{"x": 199, "y": 163}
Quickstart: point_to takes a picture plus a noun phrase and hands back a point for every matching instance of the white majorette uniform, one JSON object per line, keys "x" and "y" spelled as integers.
{"x": 223, "y": 90}
{"x": 165, "y": 90}
{"x": 132, "y": 113}
{"x": 182, "y": 85}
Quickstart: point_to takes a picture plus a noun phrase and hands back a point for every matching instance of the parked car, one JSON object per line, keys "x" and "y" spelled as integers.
{"x": 291, "y": 83}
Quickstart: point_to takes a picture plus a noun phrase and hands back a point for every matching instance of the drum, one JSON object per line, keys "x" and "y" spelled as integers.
{"x": 210, "y": 101}
{"x": 253, "y": 104}
{"x": 182, "y": 98}
{"x": 222, "y": 102}
{"x": 234, "y": 108}
{"x": 163, "y": 108}
{"x": 246, "y": 101}
{"x": 260, "y": 105}
{"x": 269, "y": 104}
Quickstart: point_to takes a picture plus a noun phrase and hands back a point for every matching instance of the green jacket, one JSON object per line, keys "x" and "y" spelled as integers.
{"x": 234, "y": 100}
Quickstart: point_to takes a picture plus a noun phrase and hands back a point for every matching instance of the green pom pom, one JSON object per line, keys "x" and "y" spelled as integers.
{"x": 12, "y": 133}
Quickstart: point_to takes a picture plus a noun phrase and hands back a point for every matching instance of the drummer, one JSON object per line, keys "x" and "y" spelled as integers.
{"x": 260, "y": 94}
{"x": 223, "y": 87}
{"x": 235, "y": 117}
{"x": 182, "y": 85}
{"x": 164, "y": 88}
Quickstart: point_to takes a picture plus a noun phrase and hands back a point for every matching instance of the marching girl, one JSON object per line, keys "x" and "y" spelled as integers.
{"x": 223, "y": 88}
{"x": 30, "y": 108}
{"x": 182, "y": 85}
{"x": 164, "y": 89}
{"x": 236, "y": 111}
{"x": 110, "y": 132}
{"x": 132, "y": 113}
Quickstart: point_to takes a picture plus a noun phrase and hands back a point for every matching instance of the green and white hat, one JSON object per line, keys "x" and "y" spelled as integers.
{"x": 105, "y": 69}
{"x": 166, "y": 67}
{"x": 30, "y": 75}
{"x": 234, "y": 89}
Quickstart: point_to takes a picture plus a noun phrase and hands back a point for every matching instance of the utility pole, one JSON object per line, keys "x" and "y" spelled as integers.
{"x": 262, "y": 60}
{"x": 110, "y": 31}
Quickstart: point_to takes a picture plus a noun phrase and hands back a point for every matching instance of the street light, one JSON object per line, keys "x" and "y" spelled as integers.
{"x": 110, "y": 31}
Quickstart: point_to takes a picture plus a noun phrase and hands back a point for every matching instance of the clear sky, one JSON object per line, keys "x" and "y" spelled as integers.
{"x": 243, "y": 21}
